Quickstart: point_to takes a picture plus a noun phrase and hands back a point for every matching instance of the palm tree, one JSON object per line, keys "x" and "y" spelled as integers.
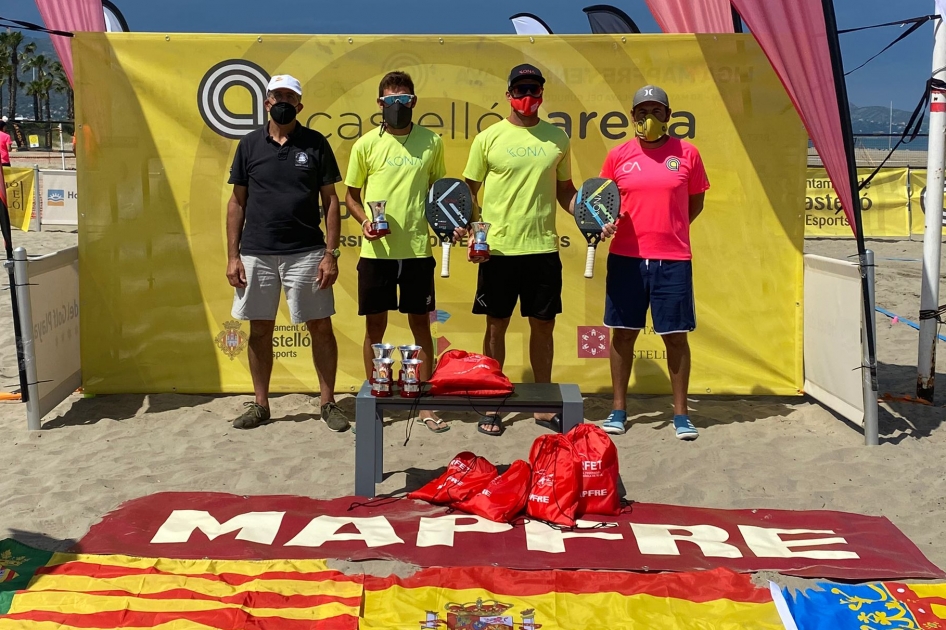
{"x": 34, "y": 89}
{"x": 40, "y": 65}
{"x": 61, "y": 85}
{"x": 10, "y": 43}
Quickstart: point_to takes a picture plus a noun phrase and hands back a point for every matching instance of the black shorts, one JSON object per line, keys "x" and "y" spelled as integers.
{"x": 666, "y": 286}
{"x": 379, "y": 280}
{"x": 535, "y": 280}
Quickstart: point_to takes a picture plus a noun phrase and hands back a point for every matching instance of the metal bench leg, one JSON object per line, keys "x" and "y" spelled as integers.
{"x": 379, "y": 446}
{"x": 366, "y": 442}
{"x": 573, "y": 407}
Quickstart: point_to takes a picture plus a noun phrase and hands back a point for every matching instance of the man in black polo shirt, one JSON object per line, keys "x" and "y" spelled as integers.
{"x": 274, "y": 241}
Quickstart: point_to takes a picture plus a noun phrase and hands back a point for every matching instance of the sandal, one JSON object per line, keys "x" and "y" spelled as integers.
{"x": 552, "y": 424}
{"x": 439, "y": 425}
{"x": 490, "y": 421}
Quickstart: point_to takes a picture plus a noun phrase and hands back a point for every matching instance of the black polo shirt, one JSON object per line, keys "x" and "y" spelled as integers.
{"x": 283, "y": 182}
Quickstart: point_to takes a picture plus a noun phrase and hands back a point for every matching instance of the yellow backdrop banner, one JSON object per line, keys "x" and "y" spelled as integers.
{"x": 918, "y": 202}
{"x": 885, "y": 207}
{"x": 20, "y": 183}
{"x": 156, "y": 145}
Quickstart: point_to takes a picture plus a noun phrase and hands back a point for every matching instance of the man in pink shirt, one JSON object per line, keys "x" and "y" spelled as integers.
{"x": 6, "y": 143}
{"x": 662, "y": 183}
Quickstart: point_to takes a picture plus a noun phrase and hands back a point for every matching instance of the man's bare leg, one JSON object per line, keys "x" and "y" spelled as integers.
{"x": 678, "y": 361}
{"x": 324, "y": 356}
{"x": 420, "y": 328}
{"x": 622, "y": 360}
{"x": 494, "y": 346}
{"x": 261, "y": 358}
{"x": 541, "y": 354}
{"x": 375, "y": 326}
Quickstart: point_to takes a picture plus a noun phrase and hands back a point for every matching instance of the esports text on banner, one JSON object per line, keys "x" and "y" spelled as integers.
{"x": 155, "y": 152}
{"x": 884, "y": 205}
{"x": 20, "y": 186}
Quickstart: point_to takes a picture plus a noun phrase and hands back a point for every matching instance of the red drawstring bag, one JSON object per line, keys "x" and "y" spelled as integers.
{"x": 503, "y": 498}
{"x": 597, "y": 459}
{"x": 462, "y": 373}
{"x": 466, "y": 475}
{"x": 556, "y": 480}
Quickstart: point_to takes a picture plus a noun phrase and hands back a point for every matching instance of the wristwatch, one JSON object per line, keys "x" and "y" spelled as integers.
{"x": 336, "y": 253}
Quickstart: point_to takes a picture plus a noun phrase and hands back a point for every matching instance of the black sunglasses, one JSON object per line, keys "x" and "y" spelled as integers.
{"x": 526, "y": 89}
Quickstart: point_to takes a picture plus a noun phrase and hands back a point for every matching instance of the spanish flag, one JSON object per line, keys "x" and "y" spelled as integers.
{"x": 502, "y": 599}
{"x": 80, "y": 591}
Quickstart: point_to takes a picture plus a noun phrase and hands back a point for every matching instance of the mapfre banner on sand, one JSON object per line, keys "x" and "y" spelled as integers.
{"x": 155, "y": 149}
{"x": 885, "y": 205}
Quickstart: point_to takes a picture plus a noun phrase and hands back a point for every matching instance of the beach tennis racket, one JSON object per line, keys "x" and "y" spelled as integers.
{"x": 449, "y": 206}
{"x": 598, "y": 203}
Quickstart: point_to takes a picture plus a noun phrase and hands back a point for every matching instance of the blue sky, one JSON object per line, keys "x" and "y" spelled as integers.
{"x": 896, "y": 76}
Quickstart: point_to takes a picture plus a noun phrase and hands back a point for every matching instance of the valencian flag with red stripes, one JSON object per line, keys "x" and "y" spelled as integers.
{"x": 477, "y": 598}
{"x": 63, "y": 591}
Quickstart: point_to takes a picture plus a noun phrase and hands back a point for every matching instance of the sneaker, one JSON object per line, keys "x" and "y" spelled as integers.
{"x": 685, "y": 428}
{"x": 615, "y": 423}
{"x": 254, "y": 416}
{"x": 333, "y": 417}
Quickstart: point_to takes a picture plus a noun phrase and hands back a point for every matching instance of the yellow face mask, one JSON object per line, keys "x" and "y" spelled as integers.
{"x": 651, "y": 129}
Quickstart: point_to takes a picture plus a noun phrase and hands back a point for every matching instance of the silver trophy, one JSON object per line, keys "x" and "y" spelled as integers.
{"x": 379, "y": 224}
{"x": 407, "y": 352}
{"x": 381, "y": 351}
{"x": 410, "y": 379}
{"x": 383, "y": 367}
{"x": 480, "y": 246}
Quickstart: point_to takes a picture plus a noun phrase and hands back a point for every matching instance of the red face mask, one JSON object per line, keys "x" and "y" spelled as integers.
{"x": 526, "y": 105}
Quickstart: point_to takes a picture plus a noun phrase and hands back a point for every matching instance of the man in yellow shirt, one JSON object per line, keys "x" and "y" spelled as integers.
{"x": 396, "y": 164}
{"x": 523, "y": 164}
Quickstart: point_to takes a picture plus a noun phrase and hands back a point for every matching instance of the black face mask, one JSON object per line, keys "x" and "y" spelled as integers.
{"x": 397, "y": 116}
{"x": 283, "y": 113}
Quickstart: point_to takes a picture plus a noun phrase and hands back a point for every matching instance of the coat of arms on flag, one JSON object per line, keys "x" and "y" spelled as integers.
{"x": 481, "y": 614}
{"x": 231, "y": 340}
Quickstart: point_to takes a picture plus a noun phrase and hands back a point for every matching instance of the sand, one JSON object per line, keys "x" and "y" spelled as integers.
{"x": 771, "y": 452}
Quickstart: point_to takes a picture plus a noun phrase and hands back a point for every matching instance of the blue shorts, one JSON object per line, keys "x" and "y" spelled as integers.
{"x": 634, "y": 284}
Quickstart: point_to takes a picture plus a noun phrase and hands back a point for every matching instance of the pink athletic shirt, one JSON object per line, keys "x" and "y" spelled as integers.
{"x": 655, "y": 186}
{"x": 5, "y": 143}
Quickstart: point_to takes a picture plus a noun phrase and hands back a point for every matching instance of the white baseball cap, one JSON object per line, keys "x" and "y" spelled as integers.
{"x": 284, "y": 82}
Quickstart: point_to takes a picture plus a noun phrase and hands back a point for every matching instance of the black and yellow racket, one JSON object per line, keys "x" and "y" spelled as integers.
{"x": 449, "y": 206}
{"x": 598, "y": 203}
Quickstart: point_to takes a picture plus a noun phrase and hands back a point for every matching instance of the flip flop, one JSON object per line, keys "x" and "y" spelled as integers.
{"x": 552, "y": 424}
{"x": 439, "y": 425}
{"x": 490, "y": 421}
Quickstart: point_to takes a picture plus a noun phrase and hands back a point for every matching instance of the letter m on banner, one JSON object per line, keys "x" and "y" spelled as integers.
{"x": 259, "y": 527}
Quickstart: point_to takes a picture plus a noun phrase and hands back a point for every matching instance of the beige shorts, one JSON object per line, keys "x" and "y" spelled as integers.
{"x": 266, "y": 276}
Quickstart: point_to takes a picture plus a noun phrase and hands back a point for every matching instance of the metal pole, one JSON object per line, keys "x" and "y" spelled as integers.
{"x": 62, "y": 151}
{"x": 871, "y": 429}
{"x": 21, "y": 274}
{"x": 37, "y": 209}
{"x": 933, "y": 233}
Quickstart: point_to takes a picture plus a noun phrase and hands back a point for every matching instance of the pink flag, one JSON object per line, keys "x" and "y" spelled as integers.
{"x": 70, "y": 15}
{"x": 692, "y": 16}
{"x": 794, "y": 37}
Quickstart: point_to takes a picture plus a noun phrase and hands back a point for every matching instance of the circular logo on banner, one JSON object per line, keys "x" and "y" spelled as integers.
{"x": 213, "y": 88}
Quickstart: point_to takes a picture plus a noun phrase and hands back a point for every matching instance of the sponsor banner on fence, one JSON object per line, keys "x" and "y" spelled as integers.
{"x": 20, "y": 184}
{"x": 646, "y": 537}
{"x": 918, "y": 201}
{"x": 884, "y": 205}
{"x": 155, "y": 152}
{"x": 60, "y": 200}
